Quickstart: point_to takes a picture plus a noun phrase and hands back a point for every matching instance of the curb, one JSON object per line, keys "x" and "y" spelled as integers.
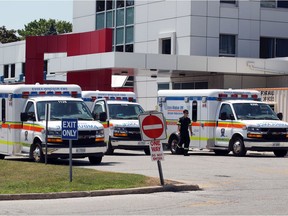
{"x": 109, "y": 192}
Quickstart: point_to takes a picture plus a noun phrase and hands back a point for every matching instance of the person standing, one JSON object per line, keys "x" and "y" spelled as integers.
{"x": 184, "y": 124}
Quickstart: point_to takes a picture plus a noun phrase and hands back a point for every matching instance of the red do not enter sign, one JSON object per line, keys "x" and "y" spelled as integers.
{"x": 152, "y": 126}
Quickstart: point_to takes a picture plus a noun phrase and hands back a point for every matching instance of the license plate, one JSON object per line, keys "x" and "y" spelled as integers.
{"x": 276, "y": 144}
{"x": 80, "y": 150}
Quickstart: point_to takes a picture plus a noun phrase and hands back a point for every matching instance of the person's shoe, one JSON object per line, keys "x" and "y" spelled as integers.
{"x": 186, "y": 154}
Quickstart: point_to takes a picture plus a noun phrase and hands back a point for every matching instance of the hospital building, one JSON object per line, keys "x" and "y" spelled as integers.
{"x": 148, "y": 45}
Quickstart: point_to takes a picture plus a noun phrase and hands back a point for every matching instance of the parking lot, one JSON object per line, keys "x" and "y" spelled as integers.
{"x": 201, "y": 167}
{"x": 254, "y": 184}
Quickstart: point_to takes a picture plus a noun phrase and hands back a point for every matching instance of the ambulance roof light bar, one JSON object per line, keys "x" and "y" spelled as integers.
{"x": 26, "y": 94}
{"x": 130, "y": 99}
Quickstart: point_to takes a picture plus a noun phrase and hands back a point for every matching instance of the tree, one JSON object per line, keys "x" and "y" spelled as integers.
{"x": 45, "y": 27}
{"x": 7, "y": 36}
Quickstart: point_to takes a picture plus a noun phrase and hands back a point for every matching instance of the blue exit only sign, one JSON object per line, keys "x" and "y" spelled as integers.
{"x": 69, "y": 129}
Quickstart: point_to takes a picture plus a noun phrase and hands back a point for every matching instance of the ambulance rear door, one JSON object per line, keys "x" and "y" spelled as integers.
{"x": 199, "y": 121}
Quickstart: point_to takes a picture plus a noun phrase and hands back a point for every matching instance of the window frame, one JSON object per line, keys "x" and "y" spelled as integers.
{"x": 221, "y": 45}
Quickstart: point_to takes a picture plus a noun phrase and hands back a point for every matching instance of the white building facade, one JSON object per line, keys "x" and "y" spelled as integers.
{"x": 206, "y": 28}
{"x": 180, "y": 44}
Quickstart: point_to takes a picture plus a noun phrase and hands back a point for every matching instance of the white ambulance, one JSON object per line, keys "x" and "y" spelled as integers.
{"x": 23, "y": 124}
{"x": 224, "y": 121}
{"x": 121, "y": 123}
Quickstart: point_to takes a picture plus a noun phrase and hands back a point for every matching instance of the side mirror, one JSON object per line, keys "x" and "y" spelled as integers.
{"x": 103, "y": 116}
{"x": 280, "y": 116}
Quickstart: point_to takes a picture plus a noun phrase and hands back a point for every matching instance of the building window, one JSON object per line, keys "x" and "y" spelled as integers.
{"x": 228, "y": 1}
{"x": 273, "y": 47}
{"x": 129, "y": 48}
{"x": 23, "y": 69}
{"x": 129, "y": 3}
{"x": 6, "y": 71}
{"x": 166, "y": 46}
{"x": 119, "y": 48}
{"x": 282, "y": 4}
{"x": 268, "y": 3}
{"x": 109, "y": 19}
{"x": 120, "y": 4}
{"x": 274, "y": 4}
{"x": 45, "y": 68}
{"x": 119, "y": 36}
{"x": 100, "y": 21}
{"x": 129, "y": 37}
{"x": 130, "y": 16}
{"x": 110, "y": 4}
{"x": 190, "y": 85}
{"x": 100, "y": 5}
{"x": 129, "y": 82}
{"x": 12, "y": 70}
{"x": 118, "y": 15}
{"x": 163, "y": 86}
{"x": 227, "y": 45}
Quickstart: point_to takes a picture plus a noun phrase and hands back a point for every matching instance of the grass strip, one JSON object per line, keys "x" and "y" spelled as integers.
{"x": 18, "y": 177}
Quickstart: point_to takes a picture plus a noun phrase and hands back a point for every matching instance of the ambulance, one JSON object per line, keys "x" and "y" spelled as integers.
{"x": 224, "y": 121}
{"x": 121, "y": 123}
{"x": 23, "y": 124}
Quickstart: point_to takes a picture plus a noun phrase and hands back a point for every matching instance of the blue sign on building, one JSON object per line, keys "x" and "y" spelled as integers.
{"x": 69, "y": 129}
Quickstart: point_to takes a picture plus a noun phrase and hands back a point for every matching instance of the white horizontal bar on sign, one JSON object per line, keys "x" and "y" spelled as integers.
{"x": 151, "y": 127}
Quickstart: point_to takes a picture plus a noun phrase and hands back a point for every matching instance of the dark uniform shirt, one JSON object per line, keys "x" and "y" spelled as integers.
{"x": 184, "y": 123}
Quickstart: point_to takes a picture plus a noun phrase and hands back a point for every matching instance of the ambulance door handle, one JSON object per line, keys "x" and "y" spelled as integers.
{"x": 202, "y": 125}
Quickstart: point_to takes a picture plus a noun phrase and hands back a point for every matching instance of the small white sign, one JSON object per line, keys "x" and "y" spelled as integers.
{"x": 156, "y": 150}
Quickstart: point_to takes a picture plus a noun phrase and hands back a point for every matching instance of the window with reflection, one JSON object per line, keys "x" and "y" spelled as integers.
{"x": 118, "y": 15}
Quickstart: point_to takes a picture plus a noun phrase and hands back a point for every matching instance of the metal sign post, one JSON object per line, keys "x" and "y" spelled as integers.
{"x": 153, "y": 128}
{"x": 70, "y": 132}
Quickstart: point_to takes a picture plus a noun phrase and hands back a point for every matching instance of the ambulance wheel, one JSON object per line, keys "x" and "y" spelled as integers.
{"x": 95, "y": 160}
{"x": 280, "y": 153}
{"x": 238, "y": 147}
{"x": 37, "y": 153}
{"x": 110, "y": 149}
{"x": 2, "y": 156}
{"x": 175, "y": 149}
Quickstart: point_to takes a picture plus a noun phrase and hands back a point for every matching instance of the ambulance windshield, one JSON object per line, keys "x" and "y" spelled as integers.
{"x": 125, "y": 111}
{"x": 64, "y": 109}
{"x": 258, "y": 111}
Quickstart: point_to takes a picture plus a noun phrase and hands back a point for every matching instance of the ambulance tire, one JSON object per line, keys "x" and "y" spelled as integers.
{"x": 280, "y": 153}
{"x": 110, "y": 149}
{"x": 174, "y": 148}
{"x": 95, "y": 160}
{"x": 238, "y": 147}
{"x": 2, "y": 156}
{"x": 37, "y": 153}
